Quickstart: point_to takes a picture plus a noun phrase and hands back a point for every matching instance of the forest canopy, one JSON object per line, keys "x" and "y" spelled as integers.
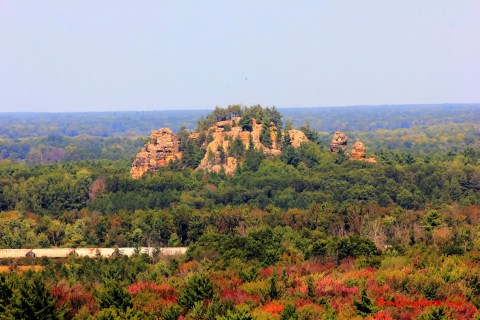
{"x": 309, "y": 234}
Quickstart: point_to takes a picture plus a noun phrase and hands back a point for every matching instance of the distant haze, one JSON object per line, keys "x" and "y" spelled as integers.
{"x": 61, "y": 56}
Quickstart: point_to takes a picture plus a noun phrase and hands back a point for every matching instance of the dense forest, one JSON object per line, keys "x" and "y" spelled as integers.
{"x": 309, "y": 234}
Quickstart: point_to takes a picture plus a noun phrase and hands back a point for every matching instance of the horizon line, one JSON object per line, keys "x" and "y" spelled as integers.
{"x": 290, "y": 107}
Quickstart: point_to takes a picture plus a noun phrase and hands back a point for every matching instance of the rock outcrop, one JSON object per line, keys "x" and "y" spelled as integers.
{"x": 358, "y": 151}
{"x": 162, "y": 148}
{"x": 216, "y": 157}
{"x": 297, "y": 137}
{"x": 339, "y": 141}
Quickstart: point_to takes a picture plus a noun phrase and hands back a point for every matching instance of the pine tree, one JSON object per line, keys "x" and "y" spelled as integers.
{"x": 246, "y": 123}
{"x": 311, "y": 288}
{"x": 115, "y": 296}
{"x": 364, "y": 306}
{"x": 197, "y": 288}
{"x": 265, "y": 137}
{"x": 6, "y": 295}
{"x": 236, "y": 148}
{"x": 273, "y": 291}
{"x": 290, "y": 313}
{"x": 34, "y": 300}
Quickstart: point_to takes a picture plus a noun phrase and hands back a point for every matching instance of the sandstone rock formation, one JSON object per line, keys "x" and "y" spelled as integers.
{"x": 339, "y": 141}
{"x": 297, "y": 137}
{"x": 161, "y": 149}
{"x": 359, "y": 152}
{"x": 216, "y": 158}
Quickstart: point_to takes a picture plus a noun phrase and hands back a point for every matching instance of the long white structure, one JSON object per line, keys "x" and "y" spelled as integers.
{"x": 89, "y": 252}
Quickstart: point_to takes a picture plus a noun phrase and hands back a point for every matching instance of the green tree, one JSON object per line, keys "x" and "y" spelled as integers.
{"x": 197, "y": 288}
{"x": 115, "y": 295}
{"x": 364, "y": 306}
{"x": 246, "y": 123}
{"x": 6, "y": 297}
{"x": 432, "y": 220}
{"x": 273, "y": 290}
{"x": 34, "y": 299}
{"x": 236, "y": 314}
{"x": 236, "y": 148}
{"x": 289, "y": 313}
{"x": 253, "y": 159}
{"x": 289, "y": 156}
{"x": 312, "y": 135}
{"x": 265, "y": 137}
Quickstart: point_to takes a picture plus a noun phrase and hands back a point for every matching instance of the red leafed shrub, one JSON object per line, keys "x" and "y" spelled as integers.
{"x": 273, "y": 308}
{"x": 302, "y": 288}
{"x": 382, "y": 315}
{"x": 187, "y": 267}
{"x": 302, "y": 302}
{"x": 347, "y": 264}
{"x": 460, "y": 307}
{"x": 376, "y": 290}
{"x": 164, "y": 291}
{"x": 313, "y": 267}
{"x": 226, "y": 280}
{"x": 267, "y": 272}
{"x": 151, "y": 298}
{"x": 73, "y": 298}
{"x": 331, "y": 287}
{"x": 238, "y": 296}
{"x": 297, "y": 282}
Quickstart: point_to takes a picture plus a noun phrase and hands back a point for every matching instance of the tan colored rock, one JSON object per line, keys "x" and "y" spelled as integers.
{"x": 358, "y": 151}
{"x": 339, "y": 141}
{"x": 297, "y": 137}
{"x": 223, "y": 138}
{"x": 162, "y": 148}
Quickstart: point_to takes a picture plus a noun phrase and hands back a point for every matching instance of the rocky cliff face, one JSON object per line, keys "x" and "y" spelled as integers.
{"x": 216, "y": 157}
{"x": 162, "y": 148}
{"x": 339, "y": 141}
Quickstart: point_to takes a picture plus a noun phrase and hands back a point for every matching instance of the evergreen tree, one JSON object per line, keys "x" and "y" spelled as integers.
{"x": 364, "y": 306}
{"x": 312, "y": 135}
{"x": 236, "y": 314}
{"x": 290, "y": 313}
{"x": 197, "y": 288}
{"x": 6, "y": 295}
{"x": 246, "y": 123}
{"x": 236, "y": 148}
{"x": 311, "y": 288}
{"x": 115, "y": 295}
{"x": 222, "y": 155}
{"x": 34, "y": 299}
{"x": 265, "y": 137}
{"x": 273, "y": 291}
{"x": 289, "y": 156}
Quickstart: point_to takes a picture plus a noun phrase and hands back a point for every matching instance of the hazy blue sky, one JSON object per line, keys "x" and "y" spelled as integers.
{"x": 144, "y": 55}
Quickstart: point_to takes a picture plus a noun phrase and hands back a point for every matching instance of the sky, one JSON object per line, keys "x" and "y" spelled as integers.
{"x": 58, "y": 56}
